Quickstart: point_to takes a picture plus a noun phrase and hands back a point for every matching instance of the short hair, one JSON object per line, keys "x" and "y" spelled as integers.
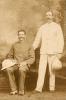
{"x": 21, "y": 31}
{"x": 49, "y": 12}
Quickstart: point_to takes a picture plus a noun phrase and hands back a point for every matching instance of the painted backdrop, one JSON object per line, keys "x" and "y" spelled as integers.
{"x": 23, "y": 14}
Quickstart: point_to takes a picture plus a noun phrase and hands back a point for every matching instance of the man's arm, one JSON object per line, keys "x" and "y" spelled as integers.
{"x": 11, "y": 53}
{"x": 60, "y": 42}
{"x": 31, "y": 58}
{"x": 37, "y": 40}
{"x": 60, "y": 39}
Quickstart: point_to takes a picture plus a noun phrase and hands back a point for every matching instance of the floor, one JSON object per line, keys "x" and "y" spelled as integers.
{"x": 58, "y": 95}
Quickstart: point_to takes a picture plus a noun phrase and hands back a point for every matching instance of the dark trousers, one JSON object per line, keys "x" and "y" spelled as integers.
{"x": 21, "y": 78}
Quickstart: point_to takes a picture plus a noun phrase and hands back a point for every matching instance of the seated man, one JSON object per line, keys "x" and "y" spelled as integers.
{"x": 25, "y": 56}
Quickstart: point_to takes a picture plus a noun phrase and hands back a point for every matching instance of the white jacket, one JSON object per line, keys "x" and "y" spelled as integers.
{"x": 50, "y": 39}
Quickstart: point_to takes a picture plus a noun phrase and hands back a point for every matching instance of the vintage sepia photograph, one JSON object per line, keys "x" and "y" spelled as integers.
{"x": 32, "y": 49}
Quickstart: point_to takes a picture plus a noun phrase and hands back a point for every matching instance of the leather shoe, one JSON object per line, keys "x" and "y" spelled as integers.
{"x": 13, "y": 92}
{"x": 21, "y": 93}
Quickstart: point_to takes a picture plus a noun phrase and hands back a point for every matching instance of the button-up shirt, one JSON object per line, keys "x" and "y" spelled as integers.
{"x": 50, "y": 39}
{"x": 21, "y": 51}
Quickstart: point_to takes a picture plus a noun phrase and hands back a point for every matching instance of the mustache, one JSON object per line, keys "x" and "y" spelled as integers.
{"x": 21, "y": 37}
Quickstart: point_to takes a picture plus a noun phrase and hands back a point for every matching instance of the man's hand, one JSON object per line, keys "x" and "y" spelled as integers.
{"x": 23, "y": 63}
{"x": 23, "y": 66}
{"x": 59, "y": 55}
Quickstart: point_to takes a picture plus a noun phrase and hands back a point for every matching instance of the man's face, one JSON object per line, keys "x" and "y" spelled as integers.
{"x": 49, "y": 15}
{"x": 21, "y": 35}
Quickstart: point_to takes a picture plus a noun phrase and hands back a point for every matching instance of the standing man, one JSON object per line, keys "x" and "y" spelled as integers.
{"x": 51, "y": 42}
{"x": 24, "y": 56}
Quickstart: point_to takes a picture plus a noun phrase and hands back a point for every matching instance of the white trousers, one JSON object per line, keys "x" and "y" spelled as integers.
{"x": 44, "y": 59}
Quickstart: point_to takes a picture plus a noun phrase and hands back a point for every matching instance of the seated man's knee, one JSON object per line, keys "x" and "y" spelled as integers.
{"x": 21, "y": 70}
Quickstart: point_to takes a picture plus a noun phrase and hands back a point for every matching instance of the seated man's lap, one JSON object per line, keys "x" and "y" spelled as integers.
{"x": 12, "y": 68}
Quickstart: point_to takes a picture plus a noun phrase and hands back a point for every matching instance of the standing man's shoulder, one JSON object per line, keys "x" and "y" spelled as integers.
{"x": 43, "y": 26}
{"x": 56, "y": 25}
